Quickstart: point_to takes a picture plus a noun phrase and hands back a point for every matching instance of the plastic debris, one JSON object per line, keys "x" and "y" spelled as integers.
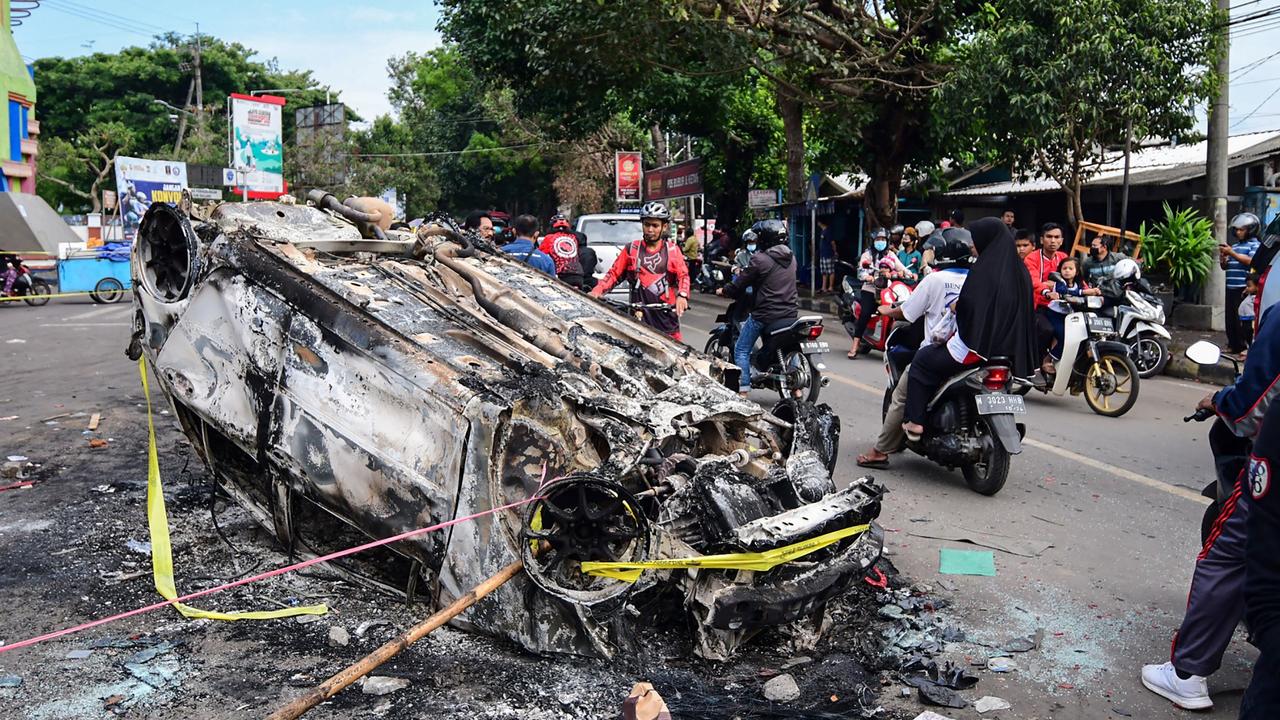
{"x": 644, "y": 703}
{"x": 990, "y": 703}
{"x": 1001, "y": 664}
{"x": 781, "y": 689}
{"x": 142, "y": 548}
{"x": 931, "y": 715}
{"x": 382, "y": 685}
{"x": 966, "y": 562}
{"x": 935, "y": 694}
{"x": 10, "y": 681}
{"x": 78, "y": 654}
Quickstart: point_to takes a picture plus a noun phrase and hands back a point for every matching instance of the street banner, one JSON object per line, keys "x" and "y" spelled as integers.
{"x": 674, "y": 181}
{"x": 141, "y": 182}
{"x": 257, "y": 146}
{"x": 628, "y": 172}
{"x": 757, "y": 199}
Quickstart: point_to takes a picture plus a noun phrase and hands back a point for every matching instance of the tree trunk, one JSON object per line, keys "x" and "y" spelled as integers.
{"x": 792, "y": 115}
{"x": 890, "y": 139}
{"x": 1075, "y": 208}
{"x": 731, "y": 202}
{"x": 659, "y": 145}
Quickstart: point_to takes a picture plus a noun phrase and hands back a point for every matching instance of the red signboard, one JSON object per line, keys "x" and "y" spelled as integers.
{"x": 674, "y": 181}
{"x": 628, "y": 171}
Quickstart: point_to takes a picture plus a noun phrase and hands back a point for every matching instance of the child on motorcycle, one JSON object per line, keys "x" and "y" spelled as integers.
{"x": 1073, "y": 285}
{"x": 10, "y": 263}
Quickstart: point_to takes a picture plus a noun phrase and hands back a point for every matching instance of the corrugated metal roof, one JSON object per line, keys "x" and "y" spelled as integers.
{"x": 1149, "y": 166}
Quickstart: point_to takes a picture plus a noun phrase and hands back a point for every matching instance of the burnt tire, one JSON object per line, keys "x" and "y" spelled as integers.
{"x": 1150, "y": 354}
{"x": 39, "y": 293}
{"x": 988, "y": 476}
{"x": 107, "y": 291}
{"x": 1111, "y": 385}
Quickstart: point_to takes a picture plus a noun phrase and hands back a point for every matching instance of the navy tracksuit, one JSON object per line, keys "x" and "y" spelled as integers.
{"x": 1262, "y": 570}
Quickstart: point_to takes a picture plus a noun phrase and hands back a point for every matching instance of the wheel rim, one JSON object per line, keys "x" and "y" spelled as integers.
{"x": 1105, "y": 381}
{"x": 797, "y": 369}
{"x": 110, "y": 290}
{"x": 1146, "y": 354}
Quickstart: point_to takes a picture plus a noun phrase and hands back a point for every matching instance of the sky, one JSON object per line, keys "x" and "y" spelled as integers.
{"x": 346, "y": 44}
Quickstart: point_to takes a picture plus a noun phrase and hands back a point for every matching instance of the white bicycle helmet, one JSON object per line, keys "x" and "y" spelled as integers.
{"x": 924, "y": 229}
{"x": 656, "y": 211}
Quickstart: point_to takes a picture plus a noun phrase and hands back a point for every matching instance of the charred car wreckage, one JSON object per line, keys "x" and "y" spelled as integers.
{"x": 343, "y": 381}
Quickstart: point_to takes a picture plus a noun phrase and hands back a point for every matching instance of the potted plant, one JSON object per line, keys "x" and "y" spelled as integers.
{"x": 1180, "y": 247}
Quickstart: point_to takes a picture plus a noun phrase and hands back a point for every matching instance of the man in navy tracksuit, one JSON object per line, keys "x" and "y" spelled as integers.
{"x": 1216, "y": 601}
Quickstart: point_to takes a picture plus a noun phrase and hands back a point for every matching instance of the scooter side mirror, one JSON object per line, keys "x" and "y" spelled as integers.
{"x": 1203, "y": 352}
{"x": 1055, "y": 277}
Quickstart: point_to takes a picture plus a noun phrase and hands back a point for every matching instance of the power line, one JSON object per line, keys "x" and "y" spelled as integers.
{"x": 105, "y": 23}
{"x": 1259, "y": 81}
{"x": 1260, "y": 105}
{"x": 115, "y": 17}
{"x": 448, "y": 152}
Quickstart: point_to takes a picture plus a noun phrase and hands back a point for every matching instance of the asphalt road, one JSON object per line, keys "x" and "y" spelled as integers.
{"x": 1117, "y": 498}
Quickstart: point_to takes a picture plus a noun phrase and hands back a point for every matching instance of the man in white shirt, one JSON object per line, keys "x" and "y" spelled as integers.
{"x": 933, "y": 301}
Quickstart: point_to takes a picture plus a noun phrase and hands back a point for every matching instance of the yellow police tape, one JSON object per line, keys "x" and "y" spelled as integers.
{"x": 767, "y": 560}
{"x": 161, "y": 550}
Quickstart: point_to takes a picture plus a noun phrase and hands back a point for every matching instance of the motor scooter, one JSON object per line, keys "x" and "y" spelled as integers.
{"x": 788, "y": 360}
{"x": 1139, "y": 321}
{"x": 889, "y": 292}
{"x": 33, "y": 290}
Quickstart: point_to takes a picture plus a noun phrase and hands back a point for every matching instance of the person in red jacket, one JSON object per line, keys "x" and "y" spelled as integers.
{"x": 562, "y": 245}
{"x": 656, "y": 268}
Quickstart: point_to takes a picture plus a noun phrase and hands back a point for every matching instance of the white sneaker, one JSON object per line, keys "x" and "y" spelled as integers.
{"x": 1189, "y": 694}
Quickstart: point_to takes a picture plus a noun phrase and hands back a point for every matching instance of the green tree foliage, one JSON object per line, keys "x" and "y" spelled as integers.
{"x": 86, "y": 98}
{"x": 1046, "y": 86}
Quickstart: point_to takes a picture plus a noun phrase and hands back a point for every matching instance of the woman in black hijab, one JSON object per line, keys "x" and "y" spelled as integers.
{"x": 994, "y": 316}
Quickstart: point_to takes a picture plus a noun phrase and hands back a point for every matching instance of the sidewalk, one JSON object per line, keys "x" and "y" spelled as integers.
{"x": 1179, "y": 366}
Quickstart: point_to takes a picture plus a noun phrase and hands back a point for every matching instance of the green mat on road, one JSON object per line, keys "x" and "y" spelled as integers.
{"x": 966, "y": 562}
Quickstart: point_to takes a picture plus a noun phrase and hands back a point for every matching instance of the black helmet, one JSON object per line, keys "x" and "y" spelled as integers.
{"x": 1248, "y": 221}
{"x": 769, "y": 233}
{"x": 952, "y": 246}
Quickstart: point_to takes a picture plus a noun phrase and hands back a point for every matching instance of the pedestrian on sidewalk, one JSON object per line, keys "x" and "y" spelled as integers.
{"x": 826, "y": 255}
{"x": 1236, "y": 259}
{"x": 1245, "y": 311}
{"x": 1216, "y": 602}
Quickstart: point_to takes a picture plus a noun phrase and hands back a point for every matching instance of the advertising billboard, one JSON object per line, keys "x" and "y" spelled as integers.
{"x": 141, "y": 182}
{"x": 628, "y": 172}
{"x": 674, "y": 181}
{"x": 257, "y": 143}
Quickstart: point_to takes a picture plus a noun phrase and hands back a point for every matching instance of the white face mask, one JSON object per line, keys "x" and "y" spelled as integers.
{"x": 751, "y": 247}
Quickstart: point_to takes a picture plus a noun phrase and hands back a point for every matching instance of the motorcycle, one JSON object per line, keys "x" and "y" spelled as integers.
{"x": 35, "y": 291}
{"x": 713, "y": 275}
{"x": 788, "y": 359}
{"x": 1139, "y": 320}
{"x": 971, "y": 421}
{"x": 889, "y": 292}
{"x": 1092, "y": 361}
{"x": 1230, "y": 452}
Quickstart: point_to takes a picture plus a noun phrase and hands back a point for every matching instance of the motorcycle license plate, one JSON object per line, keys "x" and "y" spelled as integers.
{"x": 1100, "y": 325}
{"x": 997, "y": 403}
{"x": 814, "y": 347}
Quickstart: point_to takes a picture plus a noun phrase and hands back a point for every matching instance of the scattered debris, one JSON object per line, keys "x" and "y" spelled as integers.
{"x": 9, "y": 417}
{"x": 339, "y": 636}
{"x": 104, "y": 489}
{"x": 15, "y": 341}
{"x": 93, "y": 421}
{"x": 1004, "y": 543}
{"x": 1001, "y": 664}
{"x": 1121, "y": 711}
{"x": 644, "y": 703}
{"x": 796, "y": 662}
{"x": 78, "y": 654}
{"x": 142, "y": 548}
{"x": 990, "y": 703}
{"x": 10, "y": 681}
{"x": 382, "y": 685}
{"x": 17, "y": 458}
{"x": 366, "y": 626}
{"x": 966, "y": 562}
{"x": 931, "y": 715}
{"x": 781, "y": 689}
{"x": 97, "y": 443}
{"x": 305, "y": 619}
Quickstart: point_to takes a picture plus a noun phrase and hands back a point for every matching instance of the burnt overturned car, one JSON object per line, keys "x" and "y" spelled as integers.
{"x": 342, "y": 382}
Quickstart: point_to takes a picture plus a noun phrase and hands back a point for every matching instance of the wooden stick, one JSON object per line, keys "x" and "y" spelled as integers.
{"x": 345, "y": 678}
{"x": 93, "y": 421}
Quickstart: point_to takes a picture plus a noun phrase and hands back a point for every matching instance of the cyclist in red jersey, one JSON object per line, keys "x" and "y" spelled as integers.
{"x": 656, "y": 268}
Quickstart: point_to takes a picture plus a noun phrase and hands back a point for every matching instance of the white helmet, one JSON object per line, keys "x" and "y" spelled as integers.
{"x": 1127, "y": 269}
{"x": 655, "y": 211}
{"x": 924, "y": 229}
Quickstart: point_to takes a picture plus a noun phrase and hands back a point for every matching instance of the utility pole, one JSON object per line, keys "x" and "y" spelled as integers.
{"x": 1216, "y": 282}
{"x": 194, "y": 86}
